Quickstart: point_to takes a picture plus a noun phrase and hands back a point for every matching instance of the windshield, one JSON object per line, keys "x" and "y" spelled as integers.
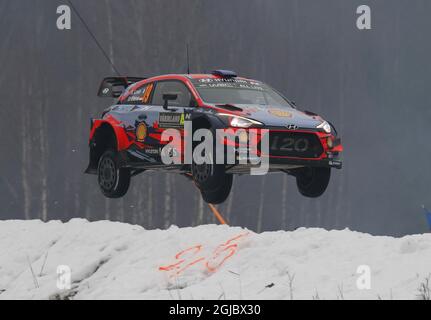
{"x": 238, "y": 91}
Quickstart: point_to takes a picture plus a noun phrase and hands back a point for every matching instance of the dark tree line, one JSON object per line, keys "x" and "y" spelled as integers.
{"x": 373, "y": 85}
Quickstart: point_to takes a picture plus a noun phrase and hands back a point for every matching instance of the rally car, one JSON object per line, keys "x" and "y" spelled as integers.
{"x": 127, "y": 139}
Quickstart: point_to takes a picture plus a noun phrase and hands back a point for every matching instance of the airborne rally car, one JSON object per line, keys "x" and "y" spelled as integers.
{"x": 128, "y": 139}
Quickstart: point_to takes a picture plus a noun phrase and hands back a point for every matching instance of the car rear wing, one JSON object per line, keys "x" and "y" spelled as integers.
{"x": 113, "y": 87}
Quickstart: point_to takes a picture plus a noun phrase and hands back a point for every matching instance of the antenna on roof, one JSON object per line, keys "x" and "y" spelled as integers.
{"x": 188, "y": 60}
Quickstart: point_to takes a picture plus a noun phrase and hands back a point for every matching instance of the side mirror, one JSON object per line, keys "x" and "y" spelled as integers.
{"x": 169, "y": 97}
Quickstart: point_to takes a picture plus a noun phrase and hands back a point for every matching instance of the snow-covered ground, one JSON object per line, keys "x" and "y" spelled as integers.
{"x": 122, "y": 261}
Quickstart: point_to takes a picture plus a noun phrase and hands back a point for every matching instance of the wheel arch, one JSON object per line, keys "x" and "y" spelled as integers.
{"x": 103, "y": 136}
{"x": 206, "y": 121}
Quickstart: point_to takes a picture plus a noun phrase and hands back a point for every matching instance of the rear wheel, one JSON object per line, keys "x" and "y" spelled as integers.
{"x": 220, "y": 194}
{"x": 313, "y": 181}
{"x": 114, "y": 181}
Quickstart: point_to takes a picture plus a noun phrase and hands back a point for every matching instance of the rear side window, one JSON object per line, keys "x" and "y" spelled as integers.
{"x": 141, "y": 95}
{"x": 184, "y": 96}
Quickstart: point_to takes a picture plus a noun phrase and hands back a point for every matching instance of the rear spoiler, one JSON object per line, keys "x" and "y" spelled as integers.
{"x": 113, "y": 87}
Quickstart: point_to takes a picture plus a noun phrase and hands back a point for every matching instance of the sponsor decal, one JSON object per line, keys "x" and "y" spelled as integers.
{"x": 141, "y": 132}
{"x": 171, "y": 120}
{"x": 133, "y": 98}
{"x": 122, "y": 108}
{"x": 280, "y": 113}
{"x": 153, "y": 151}
{"x": 145, "y": 108}
{"x": 147, "y": 93}
{"x": 227, "y": 80}
{"x": 292, "y": 127}
{"x": 142, "y": 156}
{"x": 290, "y": 144}
{"x": 228, "y": 83}
{"x": 255, "y": 109}
{"x": 141, "y": 95}
{"x": 185, "y": 117}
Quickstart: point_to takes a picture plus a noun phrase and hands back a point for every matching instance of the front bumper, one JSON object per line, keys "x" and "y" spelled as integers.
{"x": 289, "y": 148}
{"x": 335, "y": 163}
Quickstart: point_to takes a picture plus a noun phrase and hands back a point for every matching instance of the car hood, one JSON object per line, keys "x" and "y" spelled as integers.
{"x": 274, "y": 115}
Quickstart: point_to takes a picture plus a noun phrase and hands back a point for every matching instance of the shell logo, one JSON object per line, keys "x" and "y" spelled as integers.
{"x": 280, "y": 113}
{"x": 141, "y": 132}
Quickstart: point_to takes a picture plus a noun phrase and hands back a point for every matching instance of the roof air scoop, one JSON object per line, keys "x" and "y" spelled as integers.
{"x": 224, "y": 73}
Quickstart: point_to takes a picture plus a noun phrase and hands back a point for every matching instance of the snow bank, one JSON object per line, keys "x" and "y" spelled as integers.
{"x": 121, "y": 261}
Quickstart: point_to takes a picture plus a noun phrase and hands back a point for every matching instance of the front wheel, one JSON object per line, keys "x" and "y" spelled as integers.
{"x": 114, "y": 181}
{"x": 221, "y": 193}
{"x": 208, "y": 175}
{"x": 312, "y": 182}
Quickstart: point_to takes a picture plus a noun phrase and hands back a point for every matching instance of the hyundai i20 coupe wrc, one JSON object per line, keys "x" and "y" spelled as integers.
{"x": 128, "y": 138}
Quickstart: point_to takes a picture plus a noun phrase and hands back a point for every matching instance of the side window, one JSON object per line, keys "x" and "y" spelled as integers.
{"x": 184, "y": 96}
{"x": 140, "y": 95}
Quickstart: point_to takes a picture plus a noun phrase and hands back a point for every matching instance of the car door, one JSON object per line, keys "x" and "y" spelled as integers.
{"x": 175, "y": 115}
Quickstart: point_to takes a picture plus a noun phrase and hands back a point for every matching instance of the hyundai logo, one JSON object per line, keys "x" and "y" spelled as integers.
{"x": 292, "y": 126}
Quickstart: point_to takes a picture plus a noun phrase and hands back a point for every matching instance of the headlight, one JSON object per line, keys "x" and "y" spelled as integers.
{"x": 238, "y": 121}
{"x": 325, "y": 126}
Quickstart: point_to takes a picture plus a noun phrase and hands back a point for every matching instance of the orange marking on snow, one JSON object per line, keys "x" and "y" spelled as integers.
{"x": 222, "y": 248}
{"x": 179, "y": 256}
{"x": 212, "y": 264}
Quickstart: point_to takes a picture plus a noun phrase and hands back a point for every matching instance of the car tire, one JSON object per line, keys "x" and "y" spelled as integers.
{"x": 220, "y": 194}
{"x": 208, "y": 176}
{"x": 313, "y": 181}
{"x": 113, "y": 180}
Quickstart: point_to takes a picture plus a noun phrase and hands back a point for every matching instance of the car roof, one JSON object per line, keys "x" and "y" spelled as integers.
{"x": 203, "y": 76}
{"x": 189, "y": 76}
{"x": 183, "y": 77}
